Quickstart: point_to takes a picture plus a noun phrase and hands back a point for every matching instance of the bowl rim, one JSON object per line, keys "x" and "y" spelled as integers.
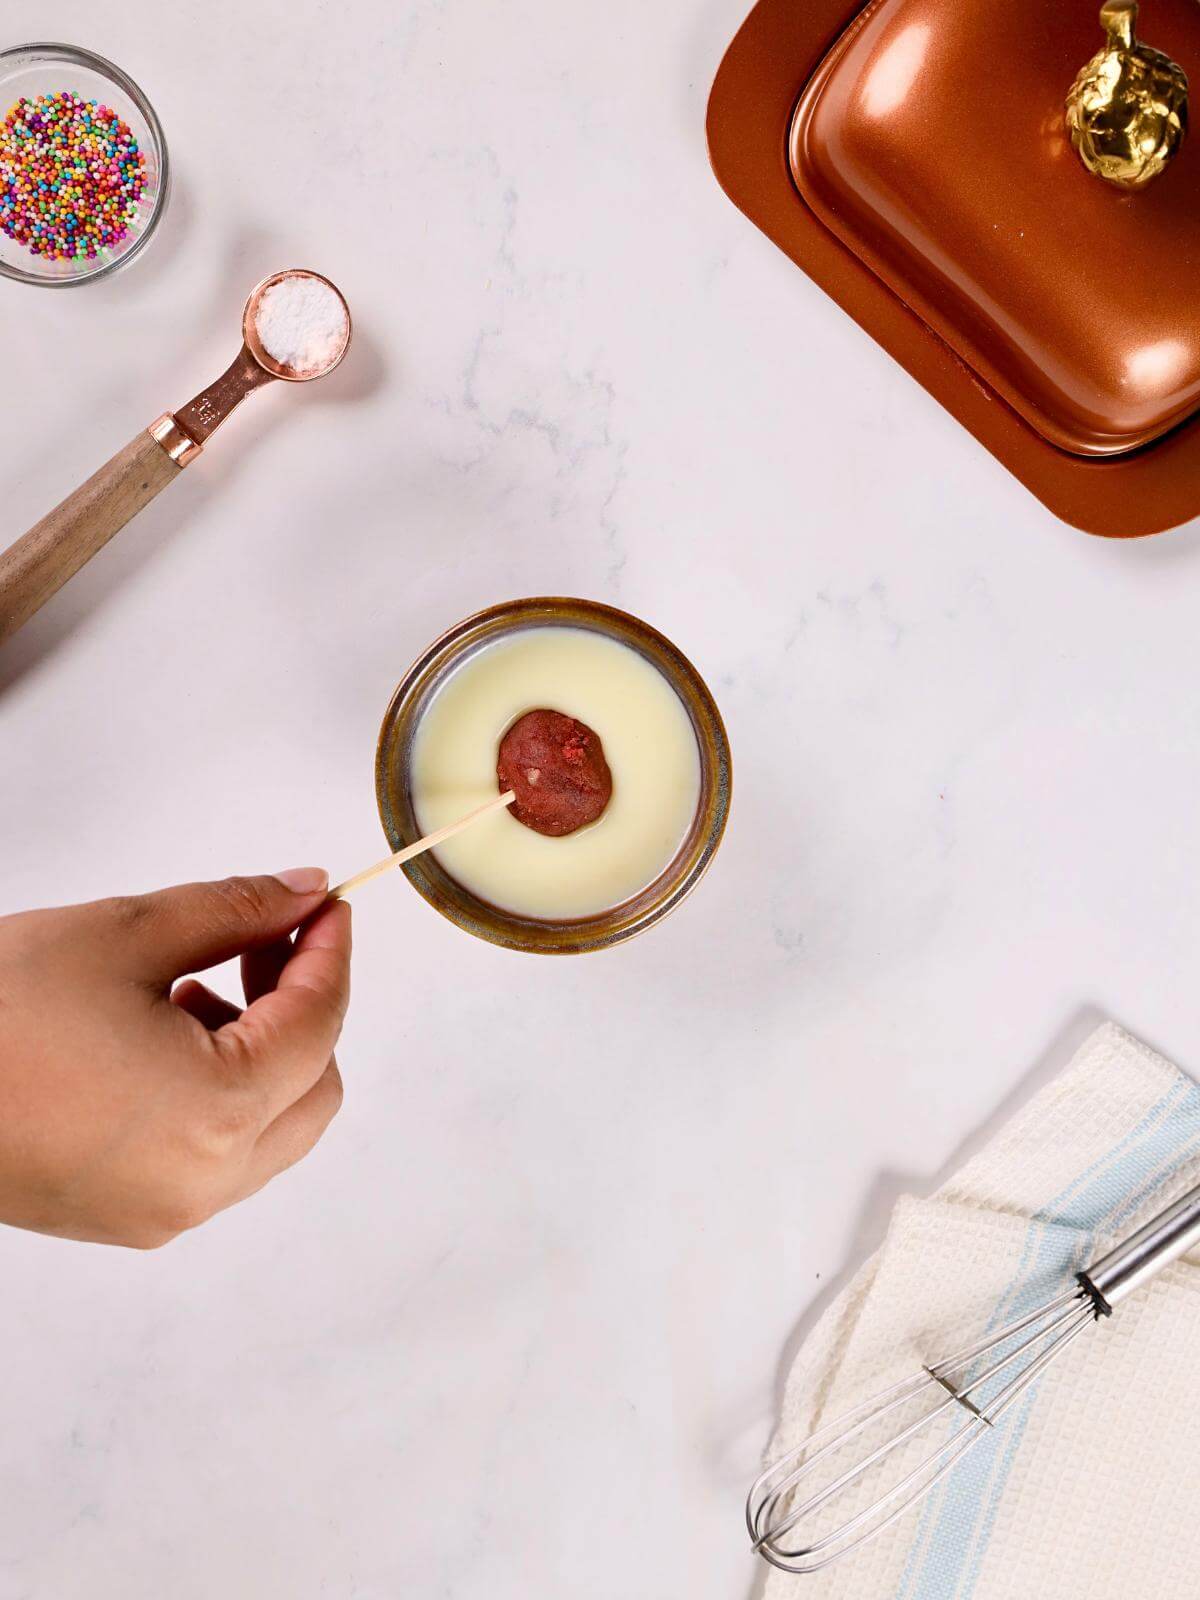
{"x": 617, "y": 924}
{"x": 106, "y": 68}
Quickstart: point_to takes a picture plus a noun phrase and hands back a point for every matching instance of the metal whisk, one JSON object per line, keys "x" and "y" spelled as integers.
{"x": 959, "y": 1399}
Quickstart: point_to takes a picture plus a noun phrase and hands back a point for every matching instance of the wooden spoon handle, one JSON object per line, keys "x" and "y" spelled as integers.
{"x": 54, "y": 549}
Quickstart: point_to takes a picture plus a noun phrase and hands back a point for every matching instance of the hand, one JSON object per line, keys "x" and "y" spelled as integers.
{"x": 129, "y": 1113}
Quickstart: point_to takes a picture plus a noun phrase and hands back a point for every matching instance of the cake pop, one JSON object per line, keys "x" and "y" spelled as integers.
{"x": 555, "y": 765}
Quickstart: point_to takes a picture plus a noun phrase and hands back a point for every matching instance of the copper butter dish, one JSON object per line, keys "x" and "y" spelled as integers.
{"x": 1004, "y": 195}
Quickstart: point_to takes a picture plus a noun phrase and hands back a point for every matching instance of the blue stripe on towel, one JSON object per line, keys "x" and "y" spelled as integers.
{"x": 956, "y": 1523}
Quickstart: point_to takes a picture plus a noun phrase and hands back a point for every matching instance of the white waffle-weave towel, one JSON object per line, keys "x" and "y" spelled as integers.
{"x": 1088, "y": 1485}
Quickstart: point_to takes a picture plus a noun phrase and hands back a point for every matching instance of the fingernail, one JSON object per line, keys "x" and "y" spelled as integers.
{"x": 304, "y": 880}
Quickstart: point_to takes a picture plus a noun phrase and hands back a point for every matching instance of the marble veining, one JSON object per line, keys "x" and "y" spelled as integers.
{"x": 517, "y": 1327}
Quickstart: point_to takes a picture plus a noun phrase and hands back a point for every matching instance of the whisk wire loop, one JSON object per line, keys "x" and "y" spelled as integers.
{"x": 771, "y": 1509}
{"x": 1029, "y": 1344}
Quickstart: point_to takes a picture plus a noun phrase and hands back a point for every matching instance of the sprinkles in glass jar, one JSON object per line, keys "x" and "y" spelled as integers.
{"x": 71, "y": 176}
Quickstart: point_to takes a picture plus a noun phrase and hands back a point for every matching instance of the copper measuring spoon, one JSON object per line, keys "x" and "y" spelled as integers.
{"x": 54, "y": 549}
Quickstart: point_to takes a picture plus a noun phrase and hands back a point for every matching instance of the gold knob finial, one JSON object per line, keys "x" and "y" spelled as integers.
{"x": 1127, "y": 109}
{"x": 1118, "y": 18}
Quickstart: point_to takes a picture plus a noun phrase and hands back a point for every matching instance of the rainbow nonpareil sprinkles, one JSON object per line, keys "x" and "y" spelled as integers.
{"x": 71, "y": 176}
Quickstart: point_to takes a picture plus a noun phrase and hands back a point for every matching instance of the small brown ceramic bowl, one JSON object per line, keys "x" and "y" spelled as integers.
{"x": 403, "y": 716}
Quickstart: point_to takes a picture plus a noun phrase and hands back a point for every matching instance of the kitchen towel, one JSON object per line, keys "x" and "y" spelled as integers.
{"x": 1088, "y": 1485}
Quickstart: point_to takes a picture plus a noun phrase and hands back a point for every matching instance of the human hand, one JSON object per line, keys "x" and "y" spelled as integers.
{"x": 129, "y": 1112}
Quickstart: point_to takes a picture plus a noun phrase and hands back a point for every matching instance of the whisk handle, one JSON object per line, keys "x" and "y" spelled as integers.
{"x": 1137, "y": 1259}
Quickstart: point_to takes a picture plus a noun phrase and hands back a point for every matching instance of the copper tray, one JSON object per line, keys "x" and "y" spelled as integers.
{"x": 786, "y": 56}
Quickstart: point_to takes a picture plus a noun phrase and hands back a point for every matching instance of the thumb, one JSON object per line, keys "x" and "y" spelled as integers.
{"x": 159, "y": 937}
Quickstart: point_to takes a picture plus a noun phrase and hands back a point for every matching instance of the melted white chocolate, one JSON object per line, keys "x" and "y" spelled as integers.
{"x": 648, "y": 741}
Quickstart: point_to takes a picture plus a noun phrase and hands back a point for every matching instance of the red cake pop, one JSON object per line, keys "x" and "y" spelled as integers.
{"x": 556, "y": 768}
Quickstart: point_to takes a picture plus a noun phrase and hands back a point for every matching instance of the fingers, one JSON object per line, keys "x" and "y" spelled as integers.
{"x": 159, "y": 937}
{"x": 200, "y": 1002}
{"x": 281, "y": 1044}
{"x": 262, "y": 969}
{"x": 293, "y": 1134}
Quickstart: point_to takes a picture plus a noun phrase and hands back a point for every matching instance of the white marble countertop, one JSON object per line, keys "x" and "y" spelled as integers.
{"x": 516, "y": 1329}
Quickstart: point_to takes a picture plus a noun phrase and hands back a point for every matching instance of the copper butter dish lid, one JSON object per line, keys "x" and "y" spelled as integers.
{"x": 1004, "y": 195}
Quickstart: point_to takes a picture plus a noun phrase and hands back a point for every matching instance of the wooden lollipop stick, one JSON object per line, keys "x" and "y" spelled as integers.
{"x": 427, "y": 843}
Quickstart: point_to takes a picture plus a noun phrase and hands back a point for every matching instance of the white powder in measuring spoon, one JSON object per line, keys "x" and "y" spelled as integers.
{"x": 302, "y": 324}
